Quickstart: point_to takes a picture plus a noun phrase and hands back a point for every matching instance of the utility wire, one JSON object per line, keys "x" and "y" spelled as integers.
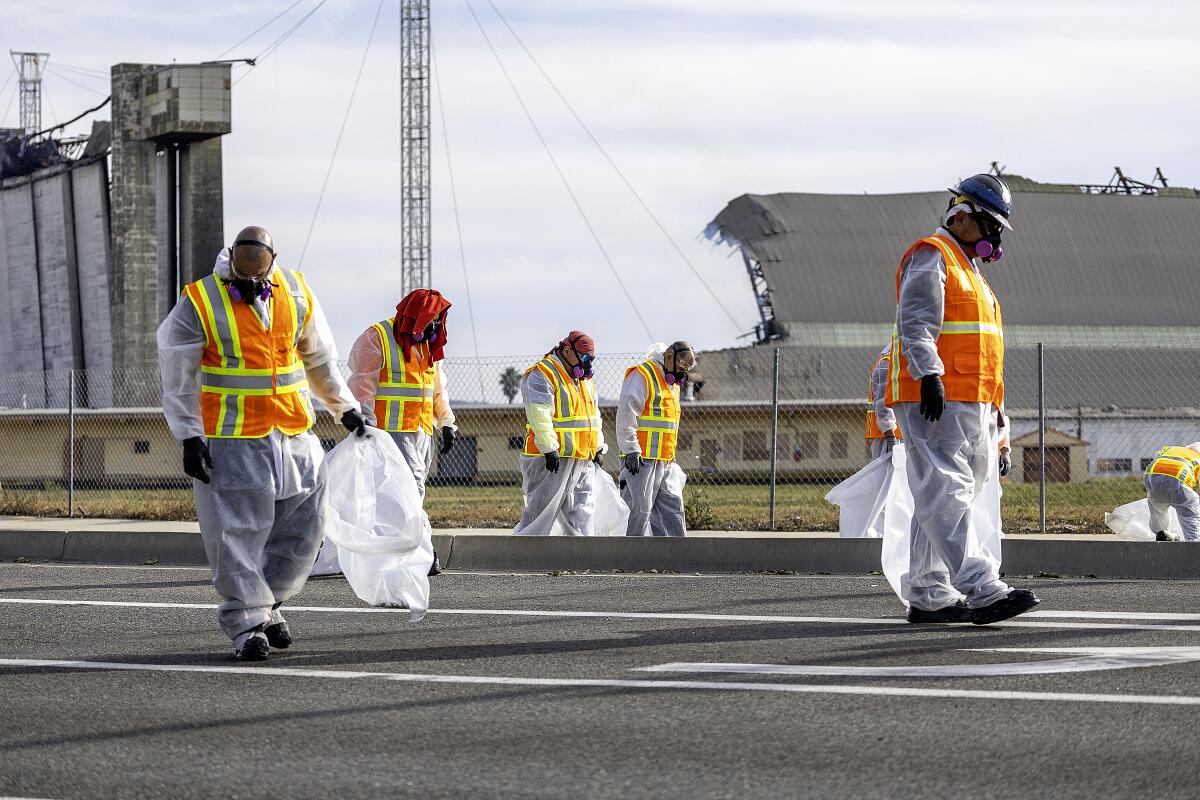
{"x": 64, "y": 77}
{"x": 256, "y": 31}
{"x": 91, "y": 110}
{"x": 275, "y": 45}
{"x": 8, "y": 107}
{"x": 462, "y": 251}
{"x": 566, "y": 184}
{"x": 88, "y": 71}
{"x": 628, "y": 185}
{"x": 342, "y": 130}
{"x": 12, "y": 75}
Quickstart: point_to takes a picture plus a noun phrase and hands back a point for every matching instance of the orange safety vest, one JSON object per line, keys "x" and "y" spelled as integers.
{"x": 576, "y": 418}
{"x": 252, "y": 380}
{"x": 1180, "y": 463}
{"x": 658, "y": 424}
{"x": 971, "y": 343}
{"x": 404, "y": 398}
{"x": 873, "y": 431}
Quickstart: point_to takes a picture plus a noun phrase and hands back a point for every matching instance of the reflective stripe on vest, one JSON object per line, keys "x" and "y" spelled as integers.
{"x": 1180, "y": 463}
{"x": 252, "y": 380}
{"x": 404, "y": 396}
{"x": 658, "y": 424}
{"x": 971, "y": 342}
{"x": 575, "y": 417}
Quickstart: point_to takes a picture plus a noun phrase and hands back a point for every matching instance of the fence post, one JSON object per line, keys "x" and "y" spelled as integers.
{"x": 1041, "y": 377}
{"x": 774, "y": 431}
{"x": 71, "y": 443}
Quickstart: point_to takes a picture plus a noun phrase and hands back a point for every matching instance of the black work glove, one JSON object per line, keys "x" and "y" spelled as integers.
{"x": 448, "y": 437}
{"x": 197, "y": 462}
{"x": 633, "y": 463}
{"x": 598, "y": 459}
{"x": 1005, "y": 462}
{"x": 551, "y": 462}
{"x": 933, "y": 398}
{"x": 890, "y": 438}
{"x": 354, "y": 422}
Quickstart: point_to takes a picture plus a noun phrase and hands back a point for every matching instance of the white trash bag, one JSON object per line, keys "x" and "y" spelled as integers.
{"x": 382, "y": 534}
{"x": 861, "y": 499}
{"x": 611, "y": 517}
{"x": 1131, "y": 522}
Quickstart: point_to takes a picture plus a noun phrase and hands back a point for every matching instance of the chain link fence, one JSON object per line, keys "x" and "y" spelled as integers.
{"x": 765, "y": 433}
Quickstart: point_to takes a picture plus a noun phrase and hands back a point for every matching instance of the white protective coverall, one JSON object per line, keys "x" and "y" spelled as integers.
{"x": 562, "y": 502}
{"x": 655, "y": 494}
{"x": 948, "y": 460}
{"x": 366, "y": 359}
{"x": 261, "y": 516}
{"x": 1163, "y": 493}
{"x": 885, "y": 418}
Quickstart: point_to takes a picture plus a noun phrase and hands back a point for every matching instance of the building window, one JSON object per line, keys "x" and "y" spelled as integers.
{"x": 684, "y": 440}
{"x": 516, "y": 442}
{"x": 755, "y": 446}
{"x": 807, "y": 446}
{"x": 730, "y": 446}
{"x": 141, "y": 446}
{"x": 839, "y": 444}
{"x": 1114, "y": 464}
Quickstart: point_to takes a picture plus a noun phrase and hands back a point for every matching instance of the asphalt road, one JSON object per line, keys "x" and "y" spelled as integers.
{"x": 146, "y": 701}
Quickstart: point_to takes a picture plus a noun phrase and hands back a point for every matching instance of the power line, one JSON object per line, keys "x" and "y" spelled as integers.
{"x": 255, "y": 32}
{"x": 342, "y": 130}
{"x": 62, "y": 76}
{"x": 8, "y": 107}
{"x": 566, "y": 184}
{"x": 275, "y": 45}
{"x": 88, "y": 71}
{"x": 628, "y": 185}
{"x": 462, "y": 251}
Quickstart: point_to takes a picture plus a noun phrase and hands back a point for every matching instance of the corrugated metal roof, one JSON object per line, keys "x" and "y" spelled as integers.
{"x": 1074, "y": 259}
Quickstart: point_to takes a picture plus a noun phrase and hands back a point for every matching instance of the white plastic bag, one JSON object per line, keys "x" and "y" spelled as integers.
{"x": 676, "y": 480}
{"x": 1131, "y": 522}
{"x": 327, "y": 561}
{"x": 611, "y": 517}
{"x": 377, "y": 522}
{"x": 861, "y": 499}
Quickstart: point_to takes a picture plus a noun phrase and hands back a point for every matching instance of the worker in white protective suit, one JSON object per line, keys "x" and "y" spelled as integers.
{"x": 648, "y": 414}
{"x": 564, "y": 443}
{"x": 1171, "y": 482}
{"x": 947, "y": 388}
{"x": 882, "y": 431}
{"x": 239, "y": 355}
{"x": 396, "y": 375}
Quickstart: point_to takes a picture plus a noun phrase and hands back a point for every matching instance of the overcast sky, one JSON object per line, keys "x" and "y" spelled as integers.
{"x": 697, "y": 101}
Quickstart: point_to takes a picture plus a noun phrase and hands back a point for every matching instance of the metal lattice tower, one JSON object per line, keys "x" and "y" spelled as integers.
{"x": 414, "y": 146}
{"x": 29, "y": 72}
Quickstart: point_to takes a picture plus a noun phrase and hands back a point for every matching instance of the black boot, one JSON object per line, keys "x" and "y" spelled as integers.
{"x": 958, "y": 612}
{"x": 1166, "y": 536}
{"x": 253, "y": 646}
{"x": 436, "y": 568}
{"x": 1018, "y": 601}
{"x": 278, "y": 635}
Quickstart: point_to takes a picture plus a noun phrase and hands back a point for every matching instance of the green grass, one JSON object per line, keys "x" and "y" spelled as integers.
{"x": 1071, "y": 508}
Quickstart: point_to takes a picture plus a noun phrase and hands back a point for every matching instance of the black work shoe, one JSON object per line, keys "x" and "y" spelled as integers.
{"x": 958, "y": 612}
{"x": 1018, "y": 601}
{"x": 254, "y": 648}
{"x": 1166, "y": 536}
{"x": 278, "y": 635}
{"x": 436, "y": 568}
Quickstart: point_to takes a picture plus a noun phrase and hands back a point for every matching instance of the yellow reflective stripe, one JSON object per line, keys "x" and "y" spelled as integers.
{"x": 233, "y": 326}
{"x": 206, "y": 301}
{"x": 894, "y": 369}
{"x": 383, "y": 345}
{"x": 241, "y": 416}
{"x": 257, "y": 392}
{"x": 986, "y": 328}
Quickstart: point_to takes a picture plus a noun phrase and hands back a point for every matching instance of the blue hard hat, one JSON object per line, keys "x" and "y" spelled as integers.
{"x": 989, "y": 193}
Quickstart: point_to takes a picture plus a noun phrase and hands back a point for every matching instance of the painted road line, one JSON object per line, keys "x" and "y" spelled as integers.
{"x": 1085, "y": 659}
{"x": 630, "y": 615}
{"x": 601, "y": 683}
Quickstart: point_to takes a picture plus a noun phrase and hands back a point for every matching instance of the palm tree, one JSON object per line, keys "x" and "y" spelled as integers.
{"x": 510, "y": 383}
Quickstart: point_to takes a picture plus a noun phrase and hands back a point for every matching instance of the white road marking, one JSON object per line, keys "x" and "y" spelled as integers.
{"x": 1086, "y": 659}
{"x": 604, "y": 683}
{"x": 633, "y": 615}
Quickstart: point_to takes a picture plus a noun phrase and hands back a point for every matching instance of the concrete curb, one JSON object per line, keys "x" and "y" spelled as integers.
{"x": 708, "y": 554}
